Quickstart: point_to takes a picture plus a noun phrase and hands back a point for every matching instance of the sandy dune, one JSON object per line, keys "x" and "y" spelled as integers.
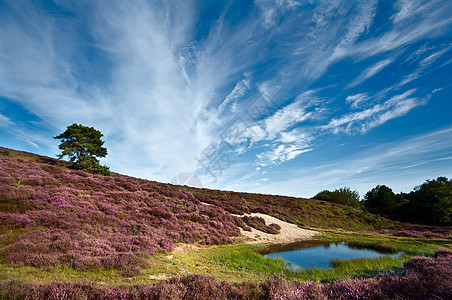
{"x": 289, "y": 232}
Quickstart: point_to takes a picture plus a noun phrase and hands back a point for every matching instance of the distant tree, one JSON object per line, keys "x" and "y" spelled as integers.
{"x": 380, "y": 200}
{"x": 342, "y": 196}
{"x": 324, "y": 195}
{"x": 83, "y": 145}
{"x": 431, "y": 202}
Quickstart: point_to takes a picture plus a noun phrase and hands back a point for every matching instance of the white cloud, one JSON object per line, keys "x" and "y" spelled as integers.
{"x": 416, "y": 54}
{"x": 438, "y": 90}
{"x": 365, "y": 169}
{"x": 424, "y": 64}
{"x": 433, "y": 57}
{"x": 359, "y": 24}
{"x": 285, "y": 118}
{"x": 279, "y": 154}
{"x": 155, "y": 106}
{"x": 370, "y": 72}
{"x": 161, "y": 89}
{"x": 433, "y": 20}
{"x": 239, "y": 91}
{"x": 405, "y": 9}
{"x": 271, "y": 10}
{"x": 5, "y": 121}
{"x": 357, "y": 99}
{"x": 363, "y": 121}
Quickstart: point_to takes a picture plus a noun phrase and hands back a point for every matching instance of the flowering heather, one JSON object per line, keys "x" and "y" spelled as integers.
{"x": 259, "y": 223}
{"x": 423, "y": 231}
{"x": 89, "y": 222}
{"x": 314, "y": 213}
{"x": 421, "y": 278}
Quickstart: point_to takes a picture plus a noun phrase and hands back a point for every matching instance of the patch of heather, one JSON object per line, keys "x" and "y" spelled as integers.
{"x": 423, "y": 231}
{"x": 259, "y": 224}
{"x": 314, "y": 213}
{"x": 87, "y": 221}
{"x": 304, "y": 212}
{"x": 91, "y": 222}
{"x": 421, "y": 278}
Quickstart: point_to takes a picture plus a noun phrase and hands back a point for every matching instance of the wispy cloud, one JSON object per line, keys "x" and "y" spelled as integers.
{"x": 432, "y": 21}
{"x": 282, "y": 130}
{"x": 370, "y": 72}
{"x": 5, "y": 122}
{"x": 433, "y": 57}
{"x": 280, "y": 154}
{"x": 272, "y": 10}
{"x": 406, "y": 9}
{"x": 363, "y": 121}
{"x": 423, "y": 66}
{"x": 162, "y": 79}
{"x": 367, "y": 168}
{"x": 239, "y": 91}
{"x": 357, "y": 100}
{"x": 159, "y": 78}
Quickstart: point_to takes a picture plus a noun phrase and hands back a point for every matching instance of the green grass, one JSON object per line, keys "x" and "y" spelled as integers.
{"x": 6, "y": 153}
{"x": 239, "y": 263}
{"x": 246, "y": 259}
{"x": 411, "y": 246}
{"x": 250, "y": 261}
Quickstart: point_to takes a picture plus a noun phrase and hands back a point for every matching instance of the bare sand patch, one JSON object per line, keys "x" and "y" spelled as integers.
{"x": 289, "y": 232}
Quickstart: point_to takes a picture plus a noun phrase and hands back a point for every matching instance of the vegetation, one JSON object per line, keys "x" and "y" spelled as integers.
{"x": 303, "y": 212}
{"x": 259, "y": 223}
{"x": 83, "y": 145}
{"x": 247, "y": 258}
{"x": 380, "y": 200}
{"x": 68, "y": 233}
{"x": 420, "y": 278}
{"x": 342, "y": 196}
{"x": 429, "y": 203}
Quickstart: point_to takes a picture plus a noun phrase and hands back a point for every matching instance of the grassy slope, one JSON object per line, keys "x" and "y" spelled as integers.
{"x": 60, "y": 224}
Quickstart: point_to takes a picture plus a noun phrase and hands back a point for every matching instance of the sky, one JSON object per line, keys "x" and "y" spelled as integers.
{"x": 287, "y": 97}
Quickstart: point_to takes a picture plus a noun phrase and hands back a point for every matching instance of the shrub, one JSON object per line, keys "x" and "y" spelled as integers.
{"x": 259, "y": 224}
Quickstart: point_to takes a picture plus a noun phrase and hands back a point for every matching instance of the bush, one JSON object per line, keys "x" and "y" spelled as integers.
{"x": 259, "y": 224}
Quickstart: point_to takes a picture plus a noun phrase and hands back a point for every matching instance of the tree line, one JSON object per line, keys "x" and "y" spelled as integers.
{"x": 429, "y": 203}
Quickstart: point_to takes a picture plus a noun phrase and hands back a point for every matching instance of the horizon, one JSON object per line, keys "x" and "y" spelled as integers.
{"x": 284, "y": 98}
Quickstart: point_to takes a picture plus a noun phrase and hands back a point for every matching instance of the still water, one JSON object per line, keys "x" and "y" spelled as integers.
{"x": 318, "y": 254}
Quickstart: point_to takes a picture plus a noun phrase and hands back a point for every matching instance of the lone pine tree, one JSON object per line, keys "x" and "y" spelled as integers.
{"x": 83, "y": 145}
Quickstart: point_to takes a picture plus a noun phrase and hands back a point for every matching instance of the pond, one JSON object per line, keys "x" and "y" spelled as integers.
{"x": 309, "y": 254}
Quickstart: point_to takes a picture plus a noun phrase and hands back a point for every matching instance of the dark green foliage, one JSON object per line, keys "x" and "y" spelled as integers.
{"x": 342, "y": 196}
{"x": 6, "y": 153}
{"x": 83, "y": 145}
{"x": 380, "y": 200}
{"x": 429, "y": 203}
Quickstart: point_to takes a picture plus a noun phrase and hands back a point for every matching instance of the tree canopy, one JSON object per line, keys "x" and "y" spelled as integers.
{"x": 380, "y": 200}
{"x": 342, "y": 196}
{"x": 83, "y": 145}
{"x": 429, "y": 203}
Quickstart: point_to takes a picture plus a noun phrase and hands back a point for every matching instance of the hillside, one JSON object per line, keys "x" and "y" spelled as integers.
{"x": 51, "y": 215}
{"x": 69, "y": 234}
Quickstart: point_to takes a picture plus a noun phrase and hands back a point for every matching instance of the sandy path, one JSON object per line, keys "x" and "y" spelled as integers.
{"x": 289, "y": 232}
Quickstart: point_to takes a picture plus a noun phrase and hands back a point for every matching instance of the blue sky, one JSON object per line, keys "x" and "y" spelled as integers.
{"x": 283, "y": 97}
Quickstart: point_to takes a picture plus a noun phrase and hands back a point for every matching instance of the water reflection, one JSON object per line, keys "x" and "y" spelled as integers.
{"x": 308, "y": 254}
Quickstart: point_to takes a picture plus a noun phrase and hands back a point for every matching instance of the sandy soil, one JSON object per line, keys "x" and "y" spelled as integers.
{"x": 289, "y": 232}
